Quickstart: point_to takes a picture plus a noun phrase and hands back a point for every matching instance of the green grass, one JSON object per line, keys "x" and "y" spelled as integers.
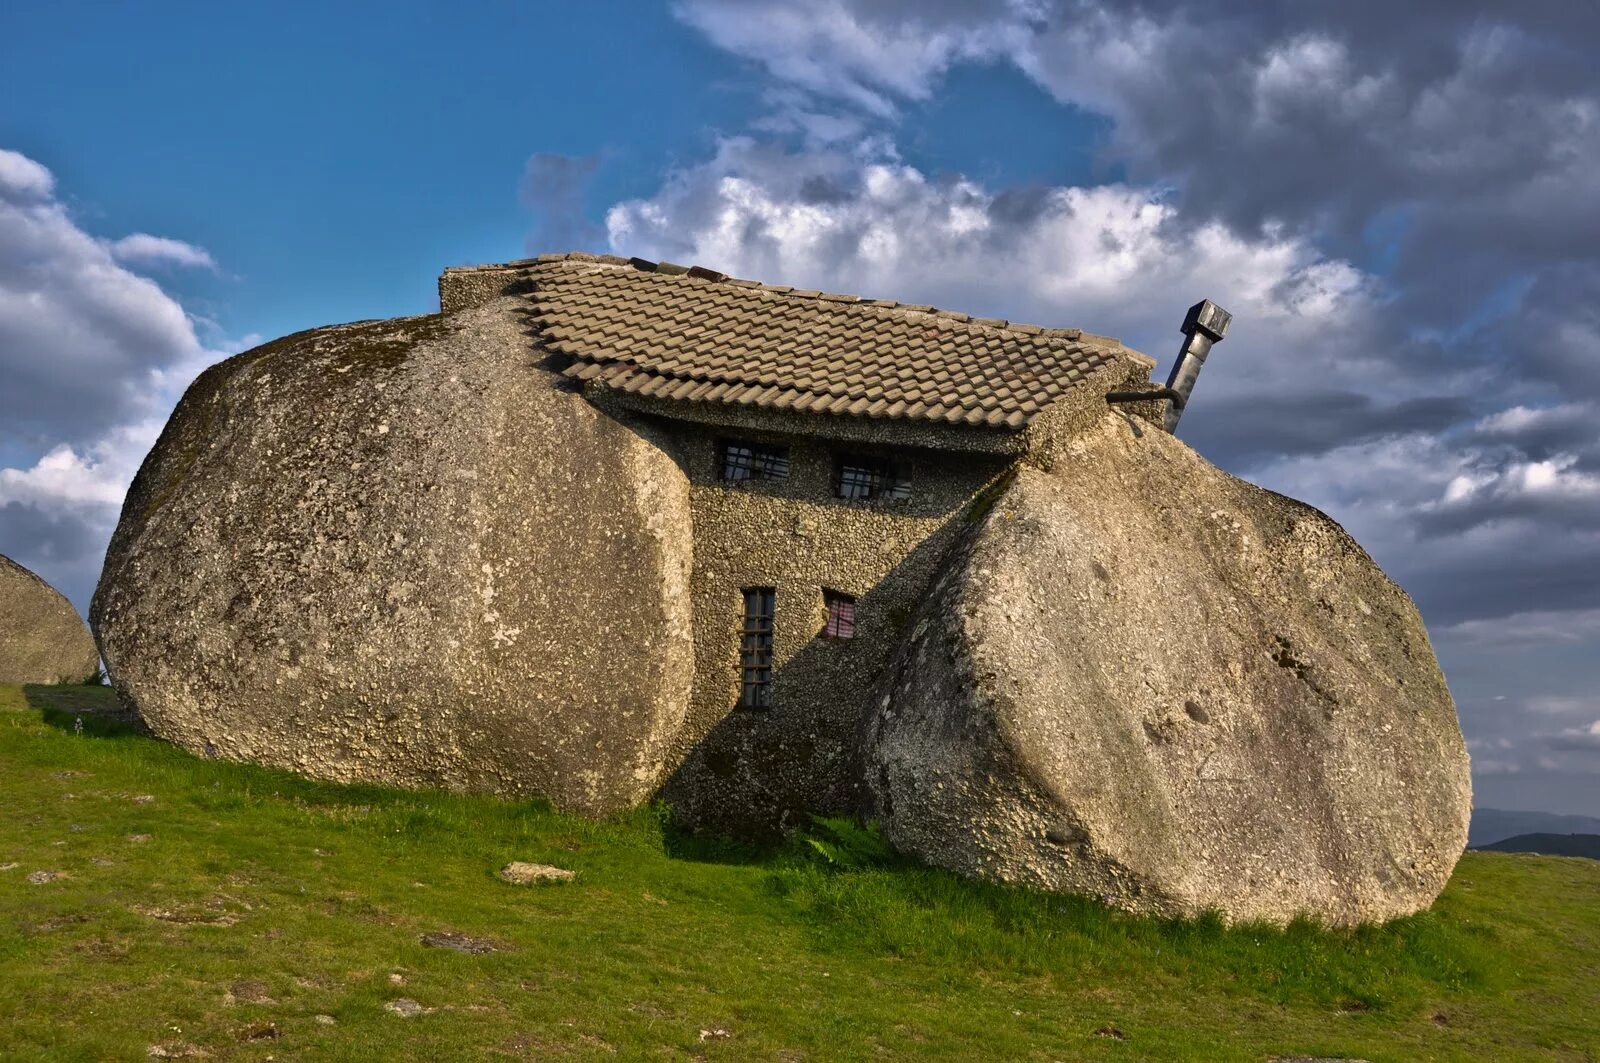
{"x": 260, "y": 901}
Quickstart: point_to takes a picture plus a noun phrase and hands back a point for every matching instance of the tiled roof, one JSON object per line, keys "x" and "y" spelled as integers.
{"x": 696, "y": 336}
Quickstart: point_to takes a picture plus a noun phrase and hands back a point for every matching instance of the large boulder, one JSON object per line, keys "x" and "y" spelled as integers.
{"x": 42, "y": 637}
{"x": 401, "y": 552}
{"x": 1148, "y": 681}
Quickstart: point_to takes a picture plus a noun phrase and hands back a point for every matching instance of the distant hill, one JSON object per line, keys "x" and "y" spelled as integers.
{"x": 1550, "y": 845}
{"x": 1490, "y": 825}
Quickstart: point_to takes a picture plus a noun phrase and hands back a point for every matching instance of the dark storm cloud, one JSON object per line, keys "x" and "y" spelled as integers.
{"x": 65, "y": 547}
{"x": 1441, "y": 153}
{"x": 1240, "y": 429}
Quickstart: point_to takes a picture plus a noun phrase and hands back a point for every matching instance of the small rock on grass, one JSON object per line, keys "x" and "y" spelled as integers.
{"x": 405, "y": 1007}
{"x": 177, "y": 1050}
{"x": 259, "y": 1031}
{"x": 138, "y": 839}
{"x": 522, "y": 874}
{"x": 247, "y": 993}
{"x": 324, "y": 1020}
{"x": 9, "y": 867}
{"x": 39, "y": 878}
{"x": 451, "y": 939}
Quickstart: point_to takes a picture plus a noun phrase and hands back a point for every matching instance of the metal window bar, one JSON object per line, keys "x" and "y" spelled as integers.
{"x": 841, "y": 616}
{"x": 867, "y": 478}
{"x": 755, "y": 648}
{"x": 754, "y": 461}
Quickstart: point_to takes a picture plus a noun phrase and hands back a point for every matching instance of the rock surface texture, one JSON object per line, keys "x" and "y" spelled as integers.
{"x": 399, "y": 552}
{"x": 1148, "y": 681}
{"x": 42, "y": 637}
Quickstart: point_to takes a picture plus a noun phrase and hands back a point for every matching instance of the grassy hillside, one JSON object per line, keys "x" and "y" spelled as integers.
{"x": 199, "y": 906}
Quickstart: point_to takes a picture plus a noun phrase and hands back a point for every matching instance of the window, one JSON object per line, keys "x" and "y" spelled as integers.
{"x": 862, "y": 478}
{"x": 754, "y": 461}
{"x": 755, "y": 649}
{"x": 841, "y": 615}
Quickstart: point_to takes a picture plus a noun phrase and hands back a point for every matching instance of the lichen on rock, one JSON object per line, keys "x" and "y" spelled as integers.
{"x": 1148, "y": 681}
{"x": 398, "y": 552}
{"x": 42, "y": 637}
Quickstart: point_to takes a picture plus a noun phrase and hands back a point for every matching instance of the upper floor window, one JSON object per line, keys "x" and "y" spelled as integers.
{"x": 862, "y": 477}
{"x": 743, "y": 460}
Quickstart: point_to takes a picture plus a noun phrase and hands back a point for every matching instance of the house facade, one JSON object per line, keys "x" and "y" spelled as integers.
{"x": 835, "y": 449}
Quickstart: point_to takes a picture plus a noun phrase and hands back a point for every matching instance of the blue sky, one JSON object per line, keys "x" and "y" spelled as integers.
{"x": 333, "y": 160}
{"x": 333, "y": 156}
{"x": 1396, "y": 202}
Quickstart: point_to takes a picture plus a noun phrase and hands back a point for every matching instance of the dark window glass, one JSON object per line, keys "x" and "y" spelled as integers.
{"x": 841, "y": 616}
{"x": 754, "y": 461}
{"x": 862, "y": 478}
{"x": 755, "y": 649}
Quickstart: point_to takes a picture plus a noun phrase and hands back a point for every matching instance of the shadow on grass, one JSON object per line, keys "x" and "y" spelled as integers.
{"x": 63, "y": 706}
{"x": 680, "y": 844}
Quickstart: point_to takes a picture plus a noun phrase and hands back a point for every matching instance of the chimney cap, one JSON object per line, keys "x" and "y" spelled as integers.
{"x": 1206, "y": 316}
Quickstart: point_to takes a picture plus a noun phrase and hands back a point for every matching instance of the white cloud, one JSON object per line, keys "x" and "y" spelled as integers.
{"x": 23, "y": 180}
{"x": 147, "y": 250}
{"x": 1492, "y": 766}
{"x": 838, "y": 49}
{"x": 80, "y": 334}
{"x": 96, "y": 477}
{"x": 1112, "y": 258}
{"x": 1558, "y": 705}
{"x": 1528, "y": 628}
{"x": 93, "y": 356}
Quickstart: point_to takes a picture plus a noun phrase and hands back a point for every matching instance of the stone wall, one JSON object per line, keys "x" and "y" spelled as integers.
{"x": 751, "y": 771}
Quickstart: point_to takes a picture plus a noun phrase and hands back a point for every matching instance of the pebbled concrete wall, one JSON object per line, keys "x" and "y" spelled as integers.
{"x": 756, "y": 771}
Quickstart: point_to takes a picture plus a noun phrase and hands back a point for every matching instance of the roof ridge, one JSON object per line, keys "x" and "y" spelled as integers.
{"x": 710, "y": 276}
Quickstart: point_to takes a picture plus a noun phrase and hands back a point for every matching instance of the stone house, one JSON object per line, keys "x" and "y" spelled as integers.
{"x": 835, "y": 446}
{"x": 605, "y": 530}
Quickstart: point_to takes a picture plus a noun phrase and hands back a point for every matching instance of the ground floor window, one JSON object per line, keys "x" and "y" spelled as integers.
{"x": 841, "y": 615}
{"x": 755, "y": 648}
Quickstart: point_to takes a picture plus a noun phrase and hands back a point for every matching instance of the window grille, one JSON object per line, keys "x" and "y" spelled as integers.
{"x": 841, "y": 616}
{"x": 754, "y": 461}
{"x": 866, "y": 478}
{"x": 755, "y": 649}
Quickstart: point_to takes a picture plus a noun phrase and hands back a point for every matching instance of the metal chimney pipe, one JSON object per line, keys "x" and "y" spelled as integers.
{"x": 1205, "y": 324}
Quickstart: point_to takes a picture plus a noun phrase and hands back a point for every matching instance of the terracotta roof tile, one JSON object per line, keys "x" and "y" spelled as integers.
{"x": 691, "y": 335}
